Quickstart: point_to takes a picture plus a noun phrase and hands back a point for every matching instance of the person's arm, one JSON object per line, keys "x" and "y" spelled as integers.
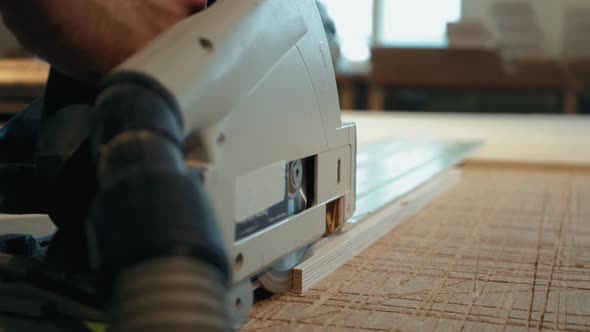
{"x": 87, "y": 38}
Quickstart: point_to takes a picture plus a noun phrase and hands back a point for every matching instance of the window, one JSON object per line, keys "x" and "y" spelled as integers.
{"x": 408, "y": 23}
{"x": 417, "y": 22}
{"x": 354, "y": 26}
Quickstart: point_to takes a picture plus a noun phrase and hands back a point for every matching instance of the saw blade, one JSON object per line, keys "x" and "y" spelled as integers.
{"x": 279, "y": 277}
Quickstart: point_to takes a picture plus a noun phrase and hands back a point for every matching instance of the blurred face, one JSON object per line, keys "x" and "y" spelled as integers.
{"x": 87, "y": 38}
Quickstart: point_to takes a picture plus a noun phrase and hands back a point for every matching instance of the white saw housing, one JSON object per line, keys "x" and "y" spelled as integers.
{"x": 255, "y": 82}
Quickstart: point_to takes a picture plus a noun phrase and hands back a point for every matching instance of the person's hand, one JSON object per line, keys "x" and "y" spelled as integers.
{"x": 87, "y": 38}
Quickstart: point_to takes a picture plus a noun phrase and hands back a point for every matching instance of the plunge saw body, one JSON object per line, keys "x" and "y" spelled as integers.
{"x": 255, "y": 82}
{"x": 222, "y": 155}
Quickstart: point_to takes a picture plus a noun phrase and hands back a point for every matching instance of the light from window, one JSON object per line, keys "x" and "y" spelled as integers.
{"x": 417, "y": 22}
{"x": 354, "y": 26}
{"x": 401, "y": 23}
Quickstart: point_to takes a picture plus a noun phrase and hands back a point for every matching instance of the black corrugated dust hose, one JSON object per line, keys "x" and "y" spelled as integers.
{"x": 152, "y": 234}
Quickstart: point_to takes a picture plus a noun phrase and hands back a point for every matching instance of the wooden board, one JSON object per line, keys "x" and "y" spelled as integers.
{"x": 387, "y": 175}
{"x": 533, "y": 139}
{"x": 504, "y": 250}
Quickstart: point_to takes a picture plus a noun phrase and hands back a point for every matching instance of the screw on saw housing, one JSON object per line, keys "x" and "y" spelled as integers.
{"x": 152, "y": 216}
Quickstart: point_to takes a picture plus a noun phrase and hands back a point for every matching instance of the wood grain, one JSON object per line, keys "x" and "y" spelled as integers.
{"x": 505, "y": 250}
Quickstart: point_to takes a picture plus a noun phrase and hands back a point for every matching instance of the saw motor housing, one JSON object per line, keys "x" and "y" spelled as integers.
{"x": 256, "y": 86}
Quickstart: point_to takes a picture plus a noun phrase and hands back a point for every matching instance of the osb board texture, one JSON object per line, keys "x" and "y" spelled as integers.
{"x": 504, "y": 250}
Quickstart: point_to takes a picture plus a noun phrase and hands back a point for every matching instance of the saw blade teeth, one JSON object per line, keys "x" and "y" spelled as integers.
{"x": 279, "y": 277}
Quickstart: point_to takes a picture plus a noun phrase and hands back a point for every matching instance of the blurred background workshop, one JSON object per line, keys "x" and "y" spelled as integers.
{"x": 443, "y": 56}
{"x": 508, "y": 247}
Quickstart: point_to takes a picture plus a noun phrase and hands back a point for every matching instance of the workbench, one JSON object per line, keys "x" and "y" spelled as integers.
{"x": 456, "y": 69}
{"x": 507, "y": 248}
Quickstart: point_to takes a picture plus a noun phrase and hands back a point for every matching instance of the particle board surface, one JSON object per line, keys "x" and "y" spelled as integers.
{"x": 504, "y": 250}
